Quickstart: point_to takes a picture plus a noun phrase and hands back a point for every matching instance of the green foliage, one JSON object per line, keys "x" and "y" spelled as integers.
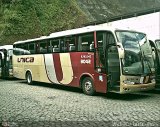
{"x": 24, "y": 19}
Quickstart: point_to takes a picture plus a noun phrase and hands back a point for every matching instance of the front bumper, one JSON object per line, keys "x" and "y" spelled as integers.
{"x": 125, "y": 88}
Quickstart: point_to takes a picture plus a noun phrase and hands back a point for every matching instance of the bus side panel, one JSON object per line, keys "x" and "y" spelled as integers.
{"x": 83, "y": 64}
{"x": 100, "y": 82}
{"x": 33, "y": 63}
{"x": 68, "y": 68}
{"x": 63, "y": 68}
{"x": 51, "y": 64}
{"x": 18, "y": 70}
{"x": 38, "y": 69}
{"x": 59, "y": 68}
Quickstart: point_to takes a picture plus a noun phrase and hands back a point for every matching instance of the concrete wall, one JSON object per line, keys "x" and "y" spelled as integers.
{"x": 149, "y": 24}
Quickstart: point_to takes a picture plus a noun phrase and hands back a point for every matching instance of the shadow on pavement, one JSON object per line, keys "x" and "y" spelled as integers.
{"x": 60, "y": 87}
{"x": 9, "y": 79}
{"x": 115, "y": 96}
{"x": 156, "y": 91}
{"x": 126, "y": 97}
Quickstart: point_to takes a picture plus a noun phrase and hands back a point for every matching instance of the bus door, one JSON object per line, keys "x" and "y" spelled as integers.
{"x": 113, "y": 63}
{"x": 109, "y": 59}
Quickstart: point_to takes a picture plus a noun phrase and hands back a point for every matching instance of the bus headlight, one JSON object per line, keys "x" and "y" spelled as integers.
{"x": 128, "y": 82}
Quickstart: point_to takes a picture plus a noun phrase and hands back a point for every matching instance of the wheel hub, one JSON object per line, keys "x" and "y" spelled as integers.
{"x": 88, "y": 86}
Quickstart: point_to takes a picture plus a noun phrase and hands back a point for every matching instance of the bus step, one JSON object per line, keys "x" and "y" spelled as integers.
{"x": 115, "y": 88}
{"x": 157, "y": 81}
{"x": 158, "y": 76}
{"x": 157, "y": 86}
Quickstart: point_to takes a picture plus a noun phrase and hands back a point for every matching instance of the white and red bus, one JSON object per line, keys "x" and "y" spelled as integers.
{"x": 6, "y": 52}
{"x": 94, "y": 58}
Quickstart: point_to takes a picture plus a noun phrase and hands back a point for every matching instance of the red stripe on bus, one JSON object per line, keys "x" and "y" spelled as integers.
{"x": 57, "y": 66}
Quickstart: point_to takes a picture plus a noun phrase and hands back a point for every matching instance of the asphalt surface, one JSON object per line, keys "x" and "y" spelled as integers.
{"x": 48, "y": 105}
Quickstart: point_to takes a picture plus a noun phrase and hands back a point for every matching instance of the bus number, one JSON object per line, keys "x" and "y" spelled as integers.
{"x": 88, "y": 61}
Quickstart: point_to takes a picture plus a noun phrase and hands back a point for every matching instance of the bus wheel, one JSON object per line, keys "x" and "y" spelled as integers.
{"x": 29, "y": 78}
{"x": 87, "y": 86}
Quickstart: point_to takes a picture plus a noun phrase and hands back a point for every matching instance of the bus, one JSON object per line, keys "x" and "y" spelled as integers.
{"x": 6, "y": 52}
{"x": 93, "y": 58}
{"x": 156, "y": 49}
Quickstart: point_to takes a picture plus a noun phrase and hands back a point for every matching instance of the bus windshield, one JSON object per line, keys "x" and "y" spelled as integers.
{"x": 137, "y": 53}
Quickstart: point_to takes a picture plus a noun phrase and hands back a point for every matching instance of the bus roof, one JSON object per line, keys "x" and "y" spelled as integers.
{"x": 81, "y": 30}
{"x": 72, "y": 32}
{"x": 6, "y": 47}
{"x": 69, "y": 32}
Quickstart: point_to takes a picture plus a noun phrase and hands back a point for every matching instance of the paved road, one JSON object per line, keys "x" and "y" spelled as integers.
{"x": 47, "y": 105}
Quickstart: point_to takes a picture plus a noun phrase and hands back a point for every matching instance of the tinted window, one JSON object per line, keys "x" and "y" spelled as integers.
{"x": 70, "y": 43}
{"x": 55, "y": 45}
{"x": 86, "y": 42}
{"x": 42, "y": 47}
{"x": 21, "y": 49}
{"x": 32, "y": 48}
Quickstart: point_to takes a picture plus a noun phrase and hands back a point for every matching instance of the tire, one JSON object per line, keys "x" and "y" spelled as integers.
{"x": 29, "y": 78}
{"x": 88, "y": 86}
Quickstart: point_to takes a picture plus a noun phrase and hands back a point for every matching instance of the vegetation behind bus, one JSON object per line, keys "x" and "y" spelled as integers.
{"x": 23, "y": 19}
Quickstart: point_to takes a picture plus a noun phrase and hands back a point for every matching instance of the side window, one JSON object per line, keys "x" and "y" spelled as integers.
{"x": 106, "y": 48}
{"x": 108, "y": 42}
{"x": 63, "y": 45}
{"x": 26, "y": 49}
{"x": 49, "y": 47}
{"x": 112, "y": 48}
{"x": 21, "y": 49}
{"x": 86, "y": 42}
{"x": 101, "y": 39}
{"x": 70, "y": 43}
{"x": 110, "y": 38}
{"x": 17, "y": 49}
{"x": 43, "y": 47}
{"x": 32, "y": 48}
{"x": 55, "y": 45}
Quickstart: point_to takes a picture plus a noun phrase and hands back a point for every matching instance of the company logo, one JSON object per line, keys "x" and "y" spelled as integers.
{"x": 26, "y": 60}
